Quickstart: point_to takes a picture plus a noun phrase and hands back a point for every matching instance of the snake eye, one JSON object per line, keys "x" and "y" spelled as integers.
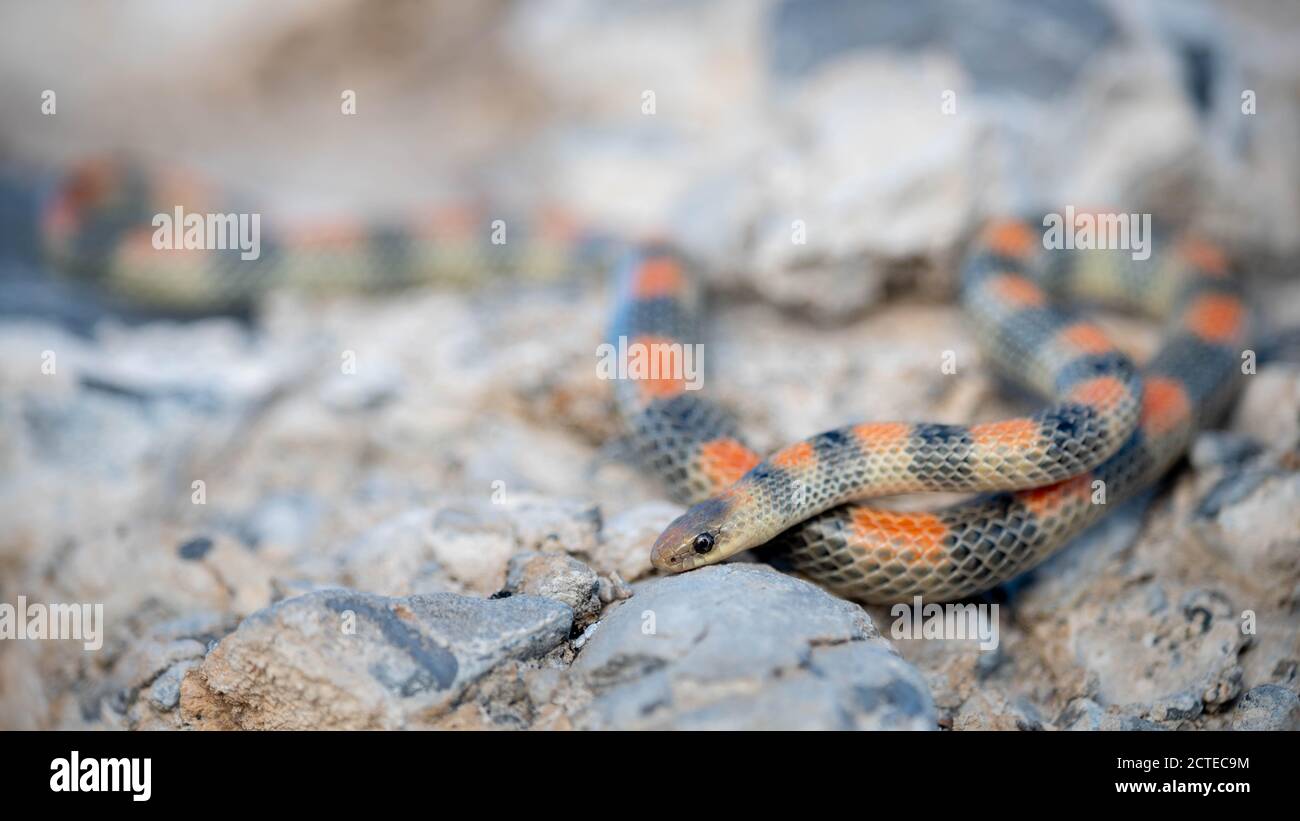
{"x": 703, "y": 543}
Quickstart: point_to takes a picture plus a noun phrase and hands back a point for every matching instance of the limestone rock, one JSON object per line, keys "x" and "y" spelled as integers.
{"x": 742, "y": 646}
{"x": 343, "y": 659}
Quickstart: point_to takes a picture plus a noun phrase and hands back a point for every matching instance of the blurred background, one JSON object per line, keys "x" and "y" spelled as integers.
{"x": 887, "y": 129}
{"x": 763, "y": 113}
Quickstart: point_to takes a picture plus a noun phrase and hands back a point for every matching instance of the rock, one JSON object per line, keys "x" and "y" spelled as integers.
{"x": 1284, "y": 672}
{"x": 1267, "y": 409}
{"x": 1252, "y": 520}
{"x": 547, "y": 524}
{"x": 465, "y": 545}
{"x": 203, "y": 626}
{"x": 1183, "y": 706}
{"x": 742, "y": 646}
{"x": 803, "y": 40}
{"x": 194, "y": 549}
{"x": 626, "y": 539}
{"x": 811, "y": 250}
{"x": 987, "y": 711}
{"x": 556, "y": 697}
{"x": 165, "y": 692}
{"x": 1215, "y": 448}
{"x": 347, "y": 660}
{"x": 1086, "y": 714}
{"x": 398, "y": 558}
{"x": 243, "y": 576}
{"x": 612, "y": 588}
{"x": 1081, "y": 714}
{"x": 1230, "y": 490}
{"x": 361, "y": 390}
{"x": 1161, "y": 661}
{"x": 1267, "y": 707}
{"x": 283, "y": 520}
{"x": 144, "y": 661}
{"x": 473, "y": 544}
{"x": 843, "y": 688}
{"x": 559, "y": 577}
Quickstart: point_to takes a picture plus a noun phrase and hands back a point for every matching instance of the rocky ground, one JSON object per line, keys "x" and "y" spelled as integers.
{"x": 417, "y": 512}
{"x": 449, "y": 538}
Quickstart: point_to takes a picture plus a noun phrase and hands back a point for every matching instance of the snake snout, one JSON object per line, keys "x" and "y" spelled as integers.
{"x": 691, "y": 540}
{"x": 667, "y": 554}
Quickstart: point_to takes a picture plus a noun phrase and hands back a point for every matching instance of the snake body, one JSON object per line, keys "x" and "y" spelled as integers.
{"x": 1109, "y": 431}
{"x": 97, "y": 224}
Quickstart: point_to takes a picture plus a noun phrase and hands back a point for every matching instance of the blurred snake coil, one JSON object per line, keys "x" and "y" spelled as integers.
{"x": 1110, "y": 426}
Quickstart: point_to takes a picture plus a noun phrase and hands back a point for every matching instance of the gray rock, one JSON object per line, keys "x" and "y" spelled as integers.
{"x": 1222, "y": 448}
{"x": 1178, "y": 707}
{"x": 548, "y": 525}
{"x": 399, "y": 556}
{"x": 282, "y": 519}
{"x": 144, "y": 661}
{"x": 1267, "y": 707}
{"x": 741, "y": 646}
{"x": 1164, "y": 664}
{"x": 1252, "y": 518}
{"x": 559, "y": 577}
{"x": 343, "y": 659}
{"x": 1284, "y": 672}
{"x": 625, "y": 540}
{"x": 989, "y": 708}
{"x": 165, "y": 692}
{"x": 806, "y": 35}
{"x": 464, "y": 545}
{"x": 366, "y": 389}
{"x": 1086, "y": 714}
{"x": 612, "y": 588}
{"x": 1081, "y": 714}
{"x": 1267, "y": 408}
{"x": 202, "y": 626}
{"x": 194, "y": 549}
{"x": 1232, "y": 489}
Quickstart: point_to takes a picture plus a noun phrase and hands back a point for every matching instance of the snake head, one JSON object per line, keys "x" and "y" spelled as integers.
{"x": 700, "y": 536}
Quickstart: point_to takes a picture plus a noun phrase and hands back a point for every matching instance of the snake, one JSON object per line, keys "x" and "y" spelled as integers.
{"x": 1108, "y": 430}
{"x": 96, "y": 226}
